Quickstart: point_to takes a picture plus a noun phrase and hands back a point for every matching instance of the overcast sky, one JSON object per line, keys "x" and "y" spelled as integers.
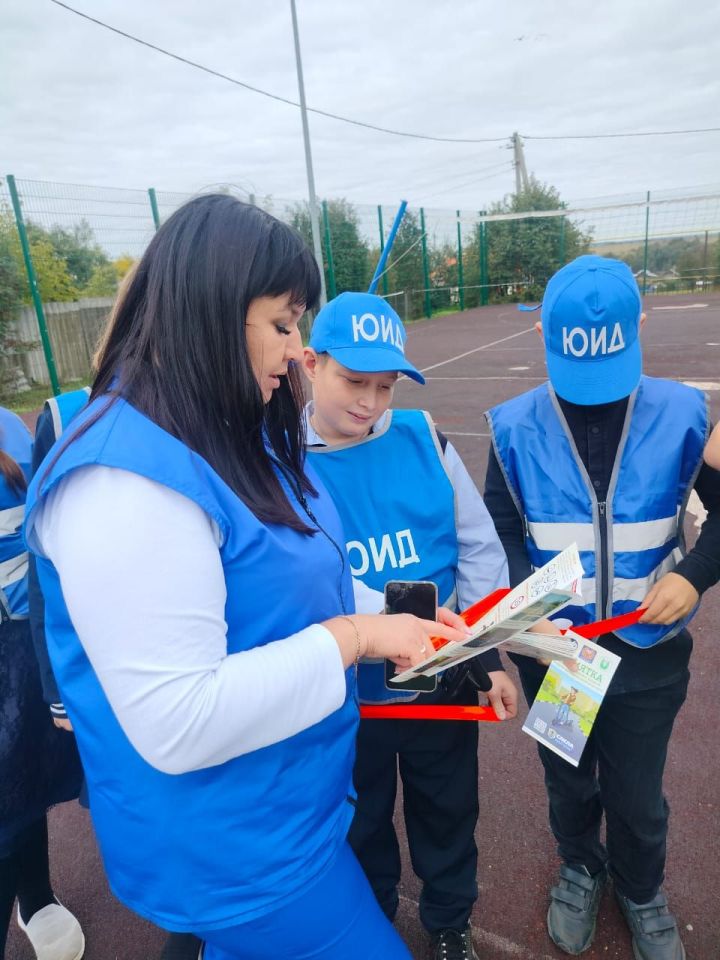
{"x": 83, "y": 105}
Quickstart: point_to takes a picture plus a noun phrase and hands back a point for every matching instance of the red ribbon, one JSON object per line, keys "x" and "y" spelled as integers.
{"x": 438, "y": 711}
{"x": 429, "y": 711}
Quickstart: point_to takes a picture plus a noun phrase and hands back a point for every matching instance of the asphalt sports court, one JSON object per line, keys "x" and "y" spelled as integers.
{"x": 473, "y": 360}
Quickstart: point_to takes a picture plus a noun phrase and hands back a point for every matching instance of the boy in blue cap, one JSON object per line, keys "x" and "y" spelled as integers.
{"x": 410, "y": 511}
{"x": 606, "y": 457}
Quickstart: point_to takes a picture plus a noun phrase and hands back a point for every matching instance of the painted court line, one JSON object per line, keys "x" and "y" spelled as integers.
{"x": 682, "y": 306}
{"x": 450, "y": 433}
{"x": 485, "y": 346}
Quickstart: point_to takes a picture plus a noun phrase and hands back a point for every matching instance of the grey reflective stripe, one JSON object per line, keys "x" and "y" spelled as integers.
{"x": 13, "y": 570}
{"x": 630, "y": 537}
{"x": 636, "y": 590}
{"x": 55, "y": 414}
{"x": 11, "y": 519}
{"x": 587, "y": 590}
{"x": 558, "y": 536}
{"x": 627, "y": 537}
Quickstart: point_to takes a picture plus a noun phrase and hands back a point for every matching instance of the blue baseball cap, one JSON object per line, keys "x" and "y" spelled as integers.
{"x": 591, "y": 325}
{"x": 363, "y": 333}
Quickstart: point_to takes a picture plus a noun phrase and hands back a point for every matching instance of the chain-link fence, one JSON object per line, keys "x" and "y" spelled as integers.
{"x": 71, "y": 244}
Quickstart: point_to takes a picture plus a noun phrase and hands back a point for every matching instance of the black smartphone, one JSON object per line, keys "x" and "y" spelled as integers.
{"x": 418, "y": 597}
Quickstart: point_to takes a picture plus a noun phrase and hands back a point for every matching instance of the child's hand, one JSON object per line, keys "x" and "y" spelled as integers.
{"x": 545, "y": 626}
{"x": 503, "y": 695}
{"x": 670, "y": 599}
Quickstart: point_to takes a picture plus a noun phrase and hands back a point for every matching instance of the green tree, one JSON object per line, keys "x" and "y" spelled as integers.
{"x": 405, "y": 275}
{"x": 13, "y": 287}
{"x": 351, "y": 259}
{"x": 103, "y": 282}
{"x": 78, "y": 248}
{"x": 54, "y": 280}
{"x": 523, "y": 254}
{"x": 443, "y": 264}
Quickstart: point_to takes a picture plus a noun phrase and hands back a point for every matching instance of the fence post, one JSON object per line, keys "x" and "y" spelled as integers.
{"x": 328, "y": 250}
{"x": 382, "y": 248}
{"x": 461, "y": 279}
{"x": 154, "y": 207}
{"x": 426, "y": 266}
{"x": 484, "y": 291}
{"x": 34, "y": 289}
{"x": 647, "y": 232}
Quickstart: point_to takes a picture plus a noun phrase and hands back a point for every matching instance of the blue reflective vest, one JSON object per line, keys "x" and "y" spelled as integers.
{"x": 636, "y": 536}
{"x": 397, "y": 506}
{"x": 15, "y": 440}
{"x": 65, "y": 407}
{"x": 213, "y": 847}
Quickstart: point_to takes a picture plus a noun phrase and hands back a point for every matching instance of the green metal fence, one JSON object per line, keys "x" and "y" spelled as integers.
{"x": 73, "y": 243}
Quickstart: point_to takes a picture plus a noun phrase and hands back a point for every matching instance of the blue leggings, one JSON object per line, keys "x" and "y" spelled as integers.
{"x": 337, "y": 918}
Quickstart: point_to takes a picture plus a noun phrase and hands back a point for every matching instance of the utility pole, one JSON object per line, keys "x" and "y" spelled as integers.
{"x": 521, "y": 176}
{"x": 314, "y": 214}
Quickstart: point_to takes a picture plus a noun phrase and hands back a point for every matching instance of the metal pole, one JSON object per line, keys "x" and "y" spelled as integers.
{"x": 461, "y": 279}
{"x": 328, "y": 247}
{"x": 484, "y": 291}
{"x": 562, "y": 242}
{"x": 382, "y": 247}
{"x": 154, "y": 207}
{"x": 34, "y": 288}
{"x": 308, "y": 159}
{"x": 647, "y": 231}
{"x": 426, "y": 266}
{"x": 516, "y": 162}
{"x": 380, "y": 268}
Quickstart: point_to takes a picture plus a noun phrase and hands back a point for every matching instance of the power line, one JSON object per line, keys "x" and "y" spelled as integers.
{"x": 459, "y": 186}
{"x": 266, "y": 93}
{"x": 606, "y": 136}
{"x": 361, "y": 123}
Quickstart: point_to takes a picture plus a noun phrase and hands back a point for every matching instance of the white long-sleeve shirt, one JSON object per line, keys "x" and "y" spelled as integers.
{"x": 141, "y": 575}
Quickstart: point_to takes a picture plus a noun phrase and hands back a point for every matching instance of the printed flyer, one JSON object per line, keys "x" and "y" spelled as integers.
{"x": 567, "y": 703}
{"x": 545, "y": 592}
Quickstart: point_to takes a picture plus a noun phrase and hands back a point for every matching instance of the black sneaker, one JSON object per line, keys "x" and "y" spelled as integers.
{"x": 655, "y": 934}
{"x": 454, "y": 945}
{"x": 573, "y": 908}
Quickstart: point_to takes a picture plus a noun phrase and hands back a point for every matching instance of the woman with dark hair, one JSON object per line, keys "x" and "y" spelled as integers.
{"x": 199, "y": 605}
{"x": 39, "y": 764}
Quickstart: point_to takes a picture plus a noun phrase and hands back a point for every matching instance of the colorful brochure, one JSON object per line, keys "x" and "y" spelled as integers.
{"x": 567, "y": 703}
{"x": 545, "y": 592}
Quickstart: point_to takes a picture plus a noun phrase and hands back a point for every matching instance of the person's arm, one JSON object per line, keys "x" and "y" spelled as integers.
{"x": 44, "y": 439}
{"x": 144, "y": 586}
{"x": 482, "y": 564}
{"x": 712, "y": 450}
{"x": 482, "y": 568}
{"x": 675, "y": 594}
{"x": 508, "y": 522}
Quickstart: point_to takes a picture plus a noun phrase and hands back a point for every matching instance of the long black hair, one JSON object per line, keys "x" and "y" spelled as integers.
{"x": 176, "y": 349}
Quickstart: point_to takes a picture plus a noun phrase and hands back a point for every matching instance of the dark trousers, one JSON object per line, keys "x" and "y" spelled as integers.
{"x": 438, "y": 765}
{"x": 620, "y": 775}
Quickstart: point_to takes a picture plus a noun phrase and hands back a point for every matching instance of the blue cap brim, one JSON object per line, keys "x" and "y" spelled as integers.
{"x": 596, "y": 381}
{"x": 374, "y": 360}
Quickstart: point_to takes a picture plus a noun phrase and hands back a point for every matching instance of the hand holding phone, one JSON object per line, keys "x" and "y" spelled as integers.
{"x": 418, "y": 597}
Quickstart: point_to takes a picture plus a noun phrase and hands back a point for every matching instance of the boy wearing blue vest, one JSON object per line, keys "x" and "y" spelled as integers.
{"x": 606, "y": 457}
{"x": 410, "y": 511}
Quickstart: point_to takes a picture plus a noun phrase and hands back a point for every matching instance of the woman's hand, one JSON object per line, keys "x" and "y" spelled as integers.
{"x": 399, "y": 637}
